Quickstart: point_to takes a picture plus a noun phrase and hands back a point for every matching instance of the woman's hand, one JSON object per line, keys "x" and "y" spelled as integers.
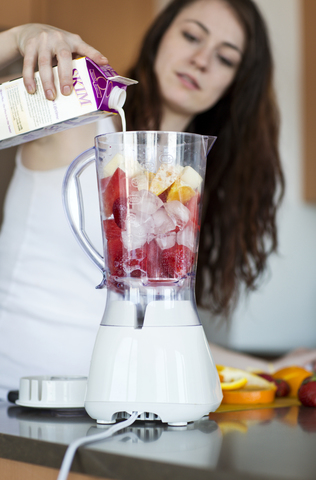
{"x": 303, "y": 357}
{"x": 40, "y": 45}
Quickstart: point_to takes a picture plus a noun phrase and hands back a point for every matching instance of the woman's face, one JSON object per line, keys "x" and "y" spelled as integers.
{"x": 198, "y": 57}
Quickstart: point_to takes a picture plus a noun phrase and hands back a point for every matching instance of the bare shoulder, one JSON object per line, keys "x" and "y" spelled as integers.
{"x": 58, "y": 150}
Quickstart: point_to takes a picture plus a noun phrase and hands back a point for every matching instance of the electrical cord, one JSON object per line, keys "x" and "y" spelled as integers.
{"x": 73, "y": 446}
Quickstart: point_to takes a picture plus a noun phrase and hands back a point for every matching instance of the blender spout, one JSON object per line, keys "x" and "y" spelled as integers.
{"x": 208, "y": 143}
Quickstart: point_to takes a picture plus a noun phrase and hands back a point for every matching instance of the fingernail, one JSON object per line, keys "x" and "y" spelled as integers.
{"x": 50, "y": 95}
{"x": 66, "y": 90}
{"x": 30, "y": 89}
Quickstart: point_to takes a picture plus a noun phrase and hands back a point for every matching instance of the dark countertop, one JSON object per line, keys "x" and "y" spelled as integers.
{"x": 274, "y": 444}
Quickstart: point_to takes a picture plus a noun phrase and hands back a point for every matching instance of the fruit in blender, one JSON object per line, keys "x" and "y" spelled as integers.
{"x": 120, "y": 211}
{"x": 148, "y": 233}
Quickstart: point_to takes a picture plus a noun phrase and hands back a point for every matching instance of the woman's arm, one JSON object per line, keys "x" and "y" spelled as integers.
{"x": 305, "y": 358}
{"x": 41, "y": 45}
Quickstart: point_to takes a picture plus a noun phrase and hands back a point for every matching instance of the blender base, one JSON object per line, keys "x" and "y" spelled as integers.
{"x": 164, "y": 373}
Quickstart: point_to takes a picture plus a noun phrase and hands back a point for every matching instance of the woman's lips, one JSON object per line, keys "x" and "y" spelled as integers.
{"x": 188, "y": 81}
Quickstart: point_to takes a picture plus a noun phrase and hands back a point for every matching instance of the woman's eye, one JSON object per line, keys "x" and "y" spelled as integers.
{"x": 226, "y": 61}
{"x": 188, "y": 36}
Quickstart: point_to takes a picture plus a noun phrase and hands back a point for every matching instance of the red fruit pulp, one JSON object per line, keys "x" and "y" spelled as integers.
{"x": 120, "y": 211}
{"x": 177, "y": 261}
{"x": 111, "y": 230}
{"x": 154, "y": 267}
{"x": 193, "y": 206}
{"x": 104, "y": 182}
{"x": 115, "y": 257}
{"x": 118, "y": 186}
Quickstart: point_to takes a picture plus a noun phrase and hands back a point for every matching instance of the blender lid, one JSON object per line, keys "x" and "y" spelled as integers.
{"x": 53, "y": 391}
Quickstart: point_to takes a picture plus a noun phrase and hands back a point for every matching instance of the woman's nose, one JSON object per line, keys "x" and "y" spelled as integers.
{"x": 201, "y": 59}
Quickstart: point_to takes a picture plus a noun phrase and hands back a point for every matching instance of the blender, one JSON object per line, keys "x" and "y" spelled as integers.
{"x": 151, "y": 354}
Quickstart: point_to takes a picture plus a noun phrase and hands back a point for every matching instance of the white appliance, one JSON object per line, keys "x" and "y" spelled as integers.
{"x": 151, "y": 354}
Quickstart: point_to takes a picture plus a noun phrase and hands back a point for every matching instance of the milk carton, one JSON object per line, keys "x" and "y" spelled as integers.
{"x": 97, "y": 92}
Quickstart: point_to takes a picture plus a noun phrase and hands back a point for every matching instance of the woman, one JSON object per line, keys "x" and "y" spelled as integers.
{"x": 204, "y": 67}
{"x": 244, "y": 180}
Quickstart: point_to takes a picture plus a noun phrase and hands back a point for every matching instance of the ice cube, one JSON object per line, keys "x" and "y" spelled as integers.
{"x": 178, "y": 212}
{"x": 141, "y": 181}
{"x": 166, "y": 241}
{"x": 162, "y": 222}
{"x": 144, "y": 202}
{"x": 187, "y": 237}
{"x": 134, "y": 261}
{"x": 135, "y": 233}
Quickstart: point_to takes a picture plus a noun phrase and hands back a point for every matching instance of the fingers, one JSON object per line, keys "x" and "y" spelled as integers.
{"x": 40, "y": 44}
{"x": 64, "y": 59}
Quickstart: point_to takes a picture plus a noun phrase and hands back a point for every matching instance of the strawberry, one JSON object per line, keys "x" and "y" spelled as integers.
{"x": 154, "y": 268}
{"x": 283, "y": 388}
{"x": 115, "y": 257}
{"x": 177, "y": 261}
{"x": 118, "y": 186}
{"x": 193, "y": 206}
{"x": 307, "y": 391}
{"x": 104, "y": 182}
{"x": 120, "y": 211}
{"x": 111, "y": 230}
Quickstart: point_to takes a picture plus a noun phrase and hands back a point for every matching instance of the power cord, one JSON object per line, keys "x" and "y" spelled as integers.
{"x": 73, "y": 446}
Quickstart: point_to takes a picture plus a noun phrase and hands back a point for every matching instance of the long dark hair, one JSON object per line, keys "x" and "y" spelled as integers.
{"x": 244, "y": 179}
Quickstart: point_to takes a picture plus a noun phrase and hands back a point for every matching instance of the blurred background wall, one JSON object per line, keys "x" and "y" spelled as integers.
{"x": 282, "y": 314}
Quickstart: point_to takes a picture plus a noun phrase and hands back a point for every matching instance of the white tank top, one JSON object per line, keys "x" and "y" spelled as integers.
{"x": 49, "y": 308}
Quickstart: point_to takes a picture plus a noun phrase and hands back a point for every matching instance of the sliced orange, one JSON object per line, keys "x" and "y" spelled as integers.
{"x": 181, "y": 192}
{"x": 294, "y": 376}
{"x": 253, "y": 389}
{"x": 234, "y": 384}
{"x": 248, "y": 395}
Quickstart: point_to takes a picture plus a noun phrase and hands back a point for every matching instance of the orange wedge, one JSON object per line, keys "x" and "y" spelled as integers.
{"x": 181, "y": 192}
{"x": 293, "y": 376}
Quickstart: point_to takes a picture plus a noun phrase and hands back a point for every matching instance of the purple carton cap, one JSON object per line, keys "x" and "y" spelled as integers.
{"x": 103, "y": 80}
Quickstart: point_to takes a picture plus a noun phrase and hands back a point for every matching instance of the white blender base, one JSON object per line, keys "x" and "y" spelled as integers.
{"x": 164, "y": 372}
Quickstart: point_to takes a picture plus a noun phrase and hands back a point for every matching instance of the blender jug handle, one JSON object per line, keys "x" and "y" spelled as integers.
{"x": 73, "y": 204}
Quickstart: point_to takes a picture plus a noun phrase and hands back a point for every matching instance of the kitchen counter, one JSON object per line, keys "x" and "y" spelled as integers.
{"x": 266, "y": 443}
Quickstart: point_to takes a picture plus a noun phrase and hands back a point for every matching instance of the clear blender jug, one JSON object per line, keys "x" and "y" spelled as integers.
{"x": 151, "y": 354}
